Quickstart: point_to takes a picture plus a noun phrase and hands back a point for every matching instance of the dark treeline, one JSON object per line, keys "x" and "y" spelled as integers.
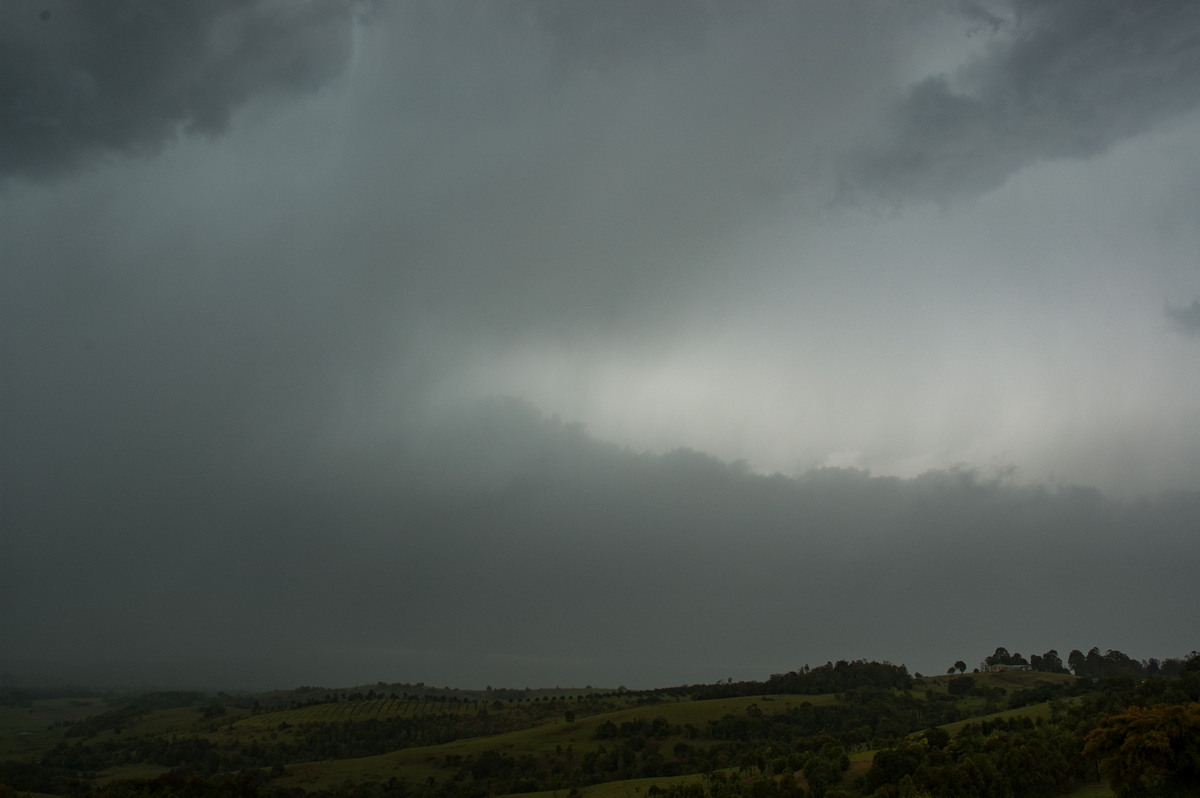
{"x": 1114, "y": 664}
{"x": 1110, "y": 664}
{"x": 828, "y": 678}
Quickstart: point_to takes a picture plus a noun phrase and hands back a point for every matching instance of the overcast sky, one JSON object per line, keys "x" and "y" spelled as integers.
{"x": 561, "y": 341}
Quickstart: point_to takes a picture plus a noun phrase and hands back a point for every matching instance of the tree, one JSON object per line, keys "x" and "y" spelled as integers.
{"x": 1094, "y": 663}
{"x": 892, "y": 765}
{"x": 1118, "y": 663}
{"x": 962, "y": 666}
{"x": 1149, "y": 751}
{"x": 822, "y": 775}
{"x": 999, "y": 657}
{"x": 937, "y": 737}
{"x": 1052, "y": 663}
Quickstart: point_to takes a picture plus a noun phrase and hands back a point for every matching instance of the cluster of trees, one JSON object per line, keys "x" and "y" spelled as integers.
{"x": 1110, "y": 664}
{"x": 657, "y": 728}
{"x": 832, "y": 677}
{"x": 998, "y": 759}
{"x": 1115, "y": 664}
{"x": 112, "y": 720}
{"x": 1150, "y": 751}
{"x": 1050, "y": 662}
{"x": 765, "y": 749}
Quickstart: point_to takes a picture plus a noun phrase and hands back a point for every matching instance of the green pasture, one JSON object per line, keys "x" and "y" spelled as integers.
{"x": 418, "y": 764}
{"x": 178, "y": 721}
{"x": 183, "y": 720}
{"x": 1011, "y": 681}
{"x": 27, "y": 731}
{"x": 1034, "y": 711}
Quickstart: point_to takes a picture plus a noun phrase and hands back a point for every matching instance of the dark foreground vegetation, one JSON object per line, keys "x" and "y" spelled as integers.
{"x": 1007, "y": 729}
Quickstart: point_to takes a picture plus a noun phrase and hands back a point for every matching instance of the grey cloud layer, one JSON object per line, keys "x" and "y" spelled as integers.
{"x": 511, "y": 540}
{"x": 88, "y": 80}
{"x": 1062, "y": 79}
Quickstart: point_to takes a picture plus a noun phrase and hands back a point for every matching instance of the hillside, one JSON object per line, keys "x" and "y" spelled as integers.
{"x": 883, "y": 729}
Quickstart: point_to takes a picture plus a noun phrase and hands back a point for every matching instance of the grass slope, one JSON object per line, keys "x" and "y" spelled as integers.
{"x": 26, "y": 732}
{"x": 418, "y": 764}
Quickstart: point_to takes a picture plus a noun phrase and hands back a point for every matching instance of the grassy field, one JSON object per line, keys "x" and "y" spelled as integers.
{"x": 27, "y": 731}
{"x": 1034, "y": 711}
{"x": 418, "y": 764}
{"x": 24, "y": 732}
{"x": 1010, "y": 681}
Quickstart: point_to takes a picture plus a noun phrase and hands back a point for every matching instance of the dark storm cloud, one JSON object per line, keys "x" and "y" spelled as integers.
{"x": 505, "y": 547}
{"x": 608, "y": 33}
{"x": 1185, "y": 318}
{"x": 1061, "y": 79}
{"x": 80, "y": 80}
